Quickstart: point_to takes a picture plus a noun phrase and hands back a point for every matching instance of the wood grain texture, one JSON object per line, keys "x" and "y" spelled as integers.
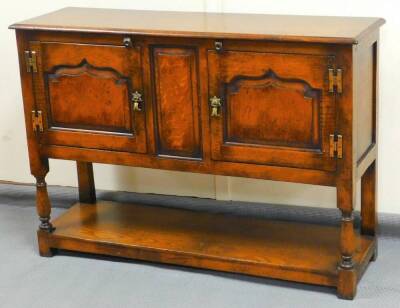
{"x": 262, "y": 93}
{"x": 266, "y": 172}
{"x": 246, "y": 245}
{"x": 344, "y": 30}
{"x": 177, "y": 101}
{"x": 264, "y": 110}
{"x": 85, "y": 91}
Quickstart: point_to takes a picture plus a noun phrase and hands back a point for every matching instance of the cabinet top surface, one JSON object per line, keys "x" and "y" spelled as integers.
{"x": 321, "y": 29}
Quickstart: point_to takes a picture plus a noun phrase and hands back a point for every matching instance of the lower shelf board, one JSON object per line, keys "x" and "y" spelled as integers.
{"x": 283, "y": 250}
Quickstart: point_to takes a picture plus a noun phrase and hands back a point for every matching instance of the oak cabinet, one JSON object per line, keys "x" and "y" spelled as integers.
{"x": 283, "y": 98}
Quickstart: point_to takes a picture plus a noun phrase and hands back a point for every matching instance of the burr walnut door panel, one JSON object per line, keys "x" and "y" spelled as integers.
{"x": 176, "y": 101}
{"x": 86, "y": 94}
{"x": 275, "y": 108}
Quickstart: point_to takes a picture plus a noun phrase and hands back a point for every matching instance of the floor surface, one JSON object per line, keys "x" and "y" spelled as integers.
{"x": 74, "y": 280}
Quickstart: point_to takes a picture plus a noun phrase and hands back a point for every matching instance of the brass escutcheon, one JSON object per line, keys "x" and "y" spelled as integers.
{"x": 215, "y": 103}
{"x": 137, "y": 100}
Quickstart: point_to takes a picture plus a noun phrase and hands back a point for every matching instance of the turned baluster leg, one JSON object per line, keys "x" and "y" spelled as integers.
{"x": 369, "y": 220}
{"x": 43, "y": 207}
{"x": 43, "y": 204}
{"x": 347, "y": 280}
{"x": 87, "y": 190}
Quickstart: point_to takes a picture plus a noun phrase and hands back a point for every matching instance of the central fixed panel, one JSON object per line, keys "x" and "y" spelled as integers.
{"x": 177, "y": 109}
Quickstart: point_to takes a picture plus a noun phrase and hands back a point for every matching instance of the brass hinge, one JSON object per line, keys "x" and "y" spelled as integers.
{"x": 335, "y": 80}
{"x": 336, "y": 146}
{"x": 37, "y": 121}
{"x": 30, "y": 61}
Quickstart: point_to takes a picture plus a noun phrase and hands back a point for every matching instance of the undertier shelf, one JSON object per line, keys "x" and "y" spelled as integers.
{"x": 276, "y": 249}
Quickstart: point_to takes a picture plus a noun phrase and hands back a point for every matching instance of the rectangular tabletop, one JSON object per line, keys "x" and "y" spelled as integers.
{"x": 321, "y": 29}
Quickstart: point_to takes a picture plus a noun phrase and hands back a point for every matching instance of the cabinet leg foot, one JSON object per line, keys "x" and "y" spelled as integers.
{"x": 347, "y": 283}
{"x": 44, "y": 248}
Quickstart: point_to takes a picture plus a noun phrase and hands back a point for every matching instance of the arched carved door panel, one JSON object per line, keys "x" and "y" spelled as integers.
{"x": 275, "y": 109}
{"x": 85, "y": 94}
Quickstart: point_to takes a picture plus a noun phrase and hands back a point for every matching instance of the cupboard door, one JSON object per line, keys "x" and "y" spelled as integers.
{"x": 87, "y": 93}
{"x": 275, "y": 108}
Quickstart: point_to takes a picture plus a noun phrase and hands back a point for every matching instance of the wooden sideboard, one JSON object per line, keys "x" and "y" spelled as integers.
{"x": 284, "y": 98}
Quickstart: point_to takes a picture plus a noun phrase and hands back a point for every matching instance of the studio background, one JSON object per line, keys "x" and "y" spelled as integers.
{"x": 14, "y": 165}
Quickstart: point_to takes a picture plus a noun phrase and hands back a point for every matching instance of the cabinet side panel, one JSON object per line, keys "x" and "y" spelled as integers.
{"x": 366, "y": 97}
{"x": 176, "y": 101}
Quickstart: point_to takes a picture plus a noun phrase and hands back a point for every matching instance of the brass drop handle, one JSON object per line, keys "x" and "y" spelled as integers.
{"x": 137, "y": 101}
{"x": 215, "y": 103}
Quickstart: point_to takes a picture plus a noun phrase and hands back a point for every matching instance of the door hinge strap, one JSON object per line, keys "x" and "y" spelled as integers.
{"x": 336, "y": 146}
{"x": 30, "y": 61}
{"x": 37, "y": 121}
{"x": 335, "y": 80}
